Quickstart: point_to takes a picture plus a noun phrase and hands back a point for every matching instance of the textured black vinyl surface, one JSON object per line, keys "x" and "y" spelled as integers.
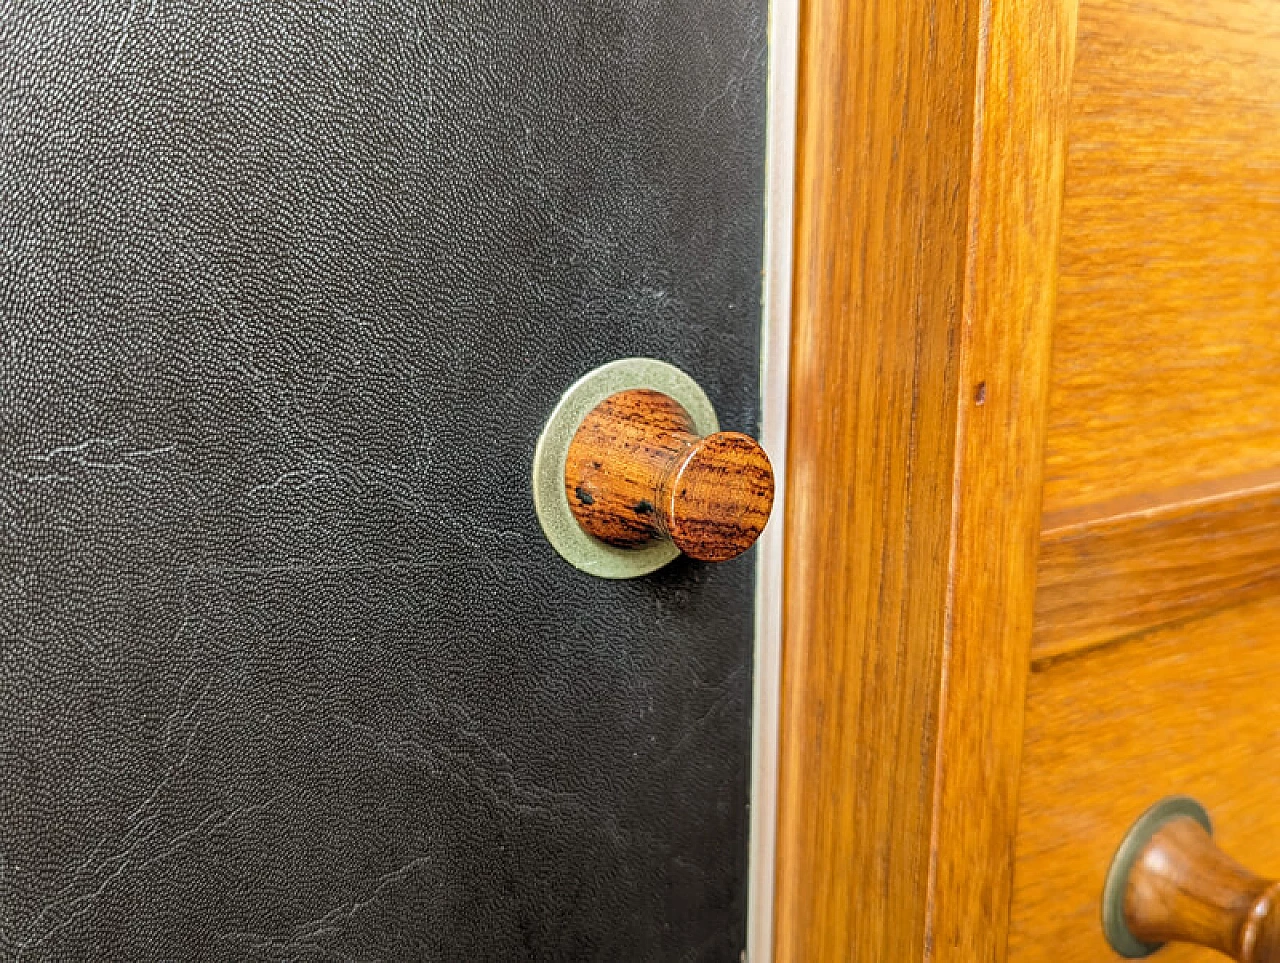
{"x": 287, "y": 671}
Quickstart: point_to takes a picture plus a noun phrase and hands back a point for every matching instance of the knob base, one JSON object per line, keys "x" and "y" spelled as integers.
{"x": 1114, "y": 924}
{"x": 566, "y": 535}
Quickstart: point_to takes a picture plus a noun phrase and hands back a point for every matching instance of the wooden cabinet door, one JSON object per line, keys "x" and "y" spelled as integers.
{"x": 1033, "y": 534}
{"x": 1155, "y": 657}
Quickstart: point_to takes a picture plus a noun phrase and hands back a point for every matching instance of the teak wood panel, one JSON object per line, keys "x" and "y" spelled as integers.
{"x": 1190, "y": 708}
{"x": 1166, "y": 364}
{"x": 1155, "y": 560}
{"x": 929, "y": 186}
{"x": 874, "y": 374}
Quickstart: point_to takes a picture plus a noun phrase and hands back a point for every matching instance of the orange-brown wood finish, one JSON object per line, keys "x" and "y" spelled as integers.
{"x": 929, "y": 186}
{"x": 636, "y": 470}
{"x": 1156, "y": 647}
{"x": 1155, "y": 560}
{"x": 1166, "y": 364}
{"x": 1185, "y": 889}
{"x": 1189, "y": 708}
{"x": 930, "y": 173}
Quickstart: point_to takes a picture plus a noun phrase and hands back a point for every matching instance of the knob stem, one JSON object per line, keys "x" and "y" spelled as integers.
{"x": 1185, "y": 889}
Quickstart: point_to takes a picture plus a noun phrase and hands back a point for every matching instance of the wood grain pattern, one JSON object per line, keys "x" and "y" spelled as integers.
{"x": 1166, "y": 363}
{"x": 929, "y": 176}
{"x": 1185, "y": 889}
{"x": 716, "y": 499}
{"x": 1186, "y": 709}
{"x": 879, "y": 273}
{"x": 880, "y": 262}
{"x": 1015, "y": 206}
{"x": 1154, "y": 560}
{"x": 636, "y": 471}
{"x": 1157, "y": 617}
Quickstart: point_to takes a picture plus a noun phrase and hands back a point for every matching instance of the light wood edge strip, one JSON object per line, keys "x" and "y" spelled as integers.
{"x": 1024, "y": 96}
{"x": 775, "y": 357}
{"x": 926, "y": 242}
{"x": 1143, "y": 566}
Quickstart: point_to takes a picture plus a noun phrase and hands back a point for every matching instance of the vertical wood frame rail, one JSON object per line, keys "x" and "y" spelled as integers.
{"x": 930, "y": 152}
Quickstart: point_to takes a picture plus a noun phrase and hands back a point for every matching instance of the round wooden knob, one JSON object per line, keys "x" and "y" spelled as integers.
{"x": 637, "y": 471}
{"x": 1171, "y": 883}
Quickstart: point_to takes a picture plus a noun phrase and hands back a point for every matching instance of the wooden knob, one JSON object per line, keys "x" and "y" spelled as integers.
{"x": 1182, "y": 888}
{"x": 637, "y": 471}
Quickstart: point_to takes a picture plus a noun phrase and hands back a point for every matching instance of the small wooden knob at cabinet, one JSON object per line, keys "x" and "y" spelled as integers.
{"x": 1170, "y": 883}
{"x": 638, "y": 471}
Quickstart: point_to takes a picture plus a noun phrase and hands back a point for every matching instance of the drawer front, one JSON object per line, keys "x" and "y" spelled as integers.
{"x": 1187, "y": 709}
{"x": 1166, "y": 343}
{"x": 1155, "y": 657}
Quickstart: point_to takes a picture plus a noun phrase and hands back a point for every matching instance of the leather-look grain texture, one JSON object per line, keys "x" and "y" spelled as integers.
{"x": 287, "y": 289}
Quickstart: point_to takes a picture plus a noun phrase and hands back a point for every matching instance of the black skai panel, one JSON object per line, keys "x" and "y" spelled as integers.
{"x": 287, "y": 289}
